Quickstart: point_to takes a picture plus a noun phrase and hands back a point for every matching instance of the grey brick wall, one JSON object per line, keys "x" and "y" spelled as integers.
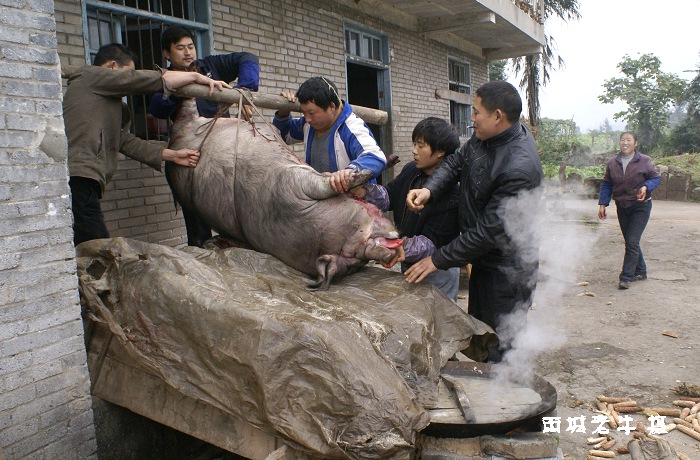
{"x": 294, "y": 41}
{"x": 45, "y": 408}
{"x": 308, "y": 40}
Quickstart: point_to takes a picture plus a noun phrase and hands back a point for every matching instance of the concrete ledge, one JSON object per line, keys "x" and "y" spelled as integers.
{"x": 521, "y": 446}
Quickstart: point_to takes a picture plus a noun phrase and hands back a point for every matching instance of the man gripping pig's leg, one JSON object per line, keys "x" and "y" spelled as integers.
{"x": 250, "y": 187}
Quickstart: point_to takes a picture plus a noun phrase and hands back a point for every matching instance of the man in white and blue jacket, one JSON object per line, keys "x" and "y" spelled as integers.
{"x": 337, "y": 141}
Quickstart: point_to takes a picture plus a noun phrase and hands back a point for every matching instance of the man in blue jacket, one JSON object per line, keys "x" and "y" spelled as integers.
{"x": 337, "y": 141}
{"x": 178, "y": 48}
{"x": 500, "y": 187}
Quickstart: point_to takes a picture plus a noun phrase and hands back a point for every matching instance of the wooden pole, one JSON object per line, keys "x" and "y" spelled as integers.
{"x": 271, "y": 101}
{"x": 267, "y": 101}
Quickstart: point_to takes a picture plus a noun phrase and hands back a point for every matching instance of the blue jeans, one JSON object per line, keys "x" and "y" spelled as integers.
{"x": 447, "y": 281}
{"x": 633, "y": 220}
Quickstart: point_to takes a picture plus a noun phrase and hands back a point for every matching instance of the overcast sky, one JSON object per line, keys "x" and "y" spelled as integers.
{"x": 593, "y": 46}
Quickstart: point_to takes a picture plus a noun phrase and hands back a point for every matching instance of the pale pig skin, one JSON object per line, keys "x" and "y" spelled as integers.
{"x": 265, "y": 196}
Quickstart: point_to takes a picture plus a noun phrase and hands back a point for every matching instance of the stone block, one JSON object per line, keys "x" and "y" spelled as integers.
{"x": 695, "y": 194}
{"x": 462, "y": 447}
{"x": 521, "y": 446}
{"x": 678, "y": 182}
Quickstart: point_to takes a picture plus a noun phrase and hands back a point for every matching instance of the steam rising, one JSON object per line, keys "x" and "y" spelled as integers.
{"x": 564, "y": 248}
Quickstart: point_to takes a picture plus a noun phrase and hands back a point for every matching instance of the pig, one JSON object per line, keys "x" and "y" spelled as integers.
{"x": 250, "y": 187}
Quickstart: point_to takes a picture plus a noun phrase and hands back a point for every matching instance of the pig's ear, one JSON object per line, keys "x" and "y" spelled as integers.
{"x": 328, "y": 265}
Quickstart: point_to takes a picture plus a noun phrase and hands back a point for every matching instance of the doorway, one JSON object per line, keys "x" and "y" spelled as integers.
{"x": 366, "y": 87}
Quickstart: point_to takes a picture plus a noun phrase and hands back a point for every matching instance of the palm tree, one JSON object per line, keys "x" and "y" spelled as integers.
{"x": 536, "y": 68}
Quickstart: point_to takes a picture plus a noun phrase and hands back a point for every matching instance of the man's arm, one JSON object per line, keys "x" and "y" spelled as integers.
{"x": 291, "y": 129}
{"x": 361, "y": 147}
{"x": 121, "y": 82}
{"x": 241, "y": 66}
{"x": 510, "y": 198}
{"x": 153, "y": 153}
{"x": 125, "y": 82}
{"x": 163, "y": 104}
{"x": 147, "y": 152}
{"x": 418, "y": 248}
{"x": 448, "y": 173}
{"x": 249, "y": 73}
{"x": 374, "y": 194}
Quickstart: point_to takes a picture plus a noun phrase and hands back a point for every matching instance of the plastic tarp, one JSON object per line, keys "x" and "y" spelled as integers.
{"x": 343, "y": 373}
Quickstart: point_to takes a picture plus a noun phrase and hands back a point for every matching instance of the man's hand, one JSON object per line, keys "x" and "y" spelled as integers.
{"x": 204, "y": 80}
{"x": 642, "y": 193}
{"x": 602, "y": 213}
{"x": 418, "y": 271}
{"x": 400, "y": 256}
{"x": 341, "y": 179}
{"x": 182, "y": 157}
{"x": 416, "y": 199}
{"x": 175, "y": 79}
{"x": 291, "y": 98}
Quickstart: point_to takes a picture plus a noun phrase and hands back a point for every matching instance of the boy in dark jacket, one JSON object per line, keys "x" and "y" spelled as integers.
{"x": 434, "y": 139}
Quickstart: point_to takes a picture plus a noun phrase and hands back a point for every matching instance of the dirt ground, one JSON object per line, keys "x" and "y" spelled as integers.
{"x": 606, "y": 341}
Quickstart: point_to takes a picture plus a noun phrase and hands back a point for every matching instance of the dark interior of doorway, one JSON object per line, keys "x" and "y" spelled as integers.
{"x": 363, "y": 89}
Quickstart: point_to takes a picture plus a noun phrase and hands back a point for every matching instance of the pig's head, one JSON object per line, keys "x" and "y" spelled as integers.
{"x": 376, "y": 239}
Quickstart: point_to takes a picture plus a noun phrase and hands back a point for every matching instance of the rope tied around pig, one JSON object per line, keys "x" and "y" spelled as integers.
{"x": 247, "y": 100}
{"x": 208, "y": 126}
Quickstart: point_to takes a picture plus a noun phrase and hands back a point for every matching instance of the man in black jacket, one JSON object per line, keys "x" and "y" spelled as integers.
{"x": 500, "y": 177}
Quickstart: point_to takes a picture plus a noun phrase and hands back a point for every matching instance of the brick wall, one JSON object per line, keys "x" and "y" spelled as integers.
{"x": 308, "y": 40}
{"x": 45, "y": 407}
{"x": 294, "y": 41}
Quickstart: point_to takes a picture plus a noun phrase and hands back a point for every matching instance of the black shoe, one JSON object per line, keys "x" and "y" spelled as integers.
{"x": 624, "y": 285}
{"x": 640, "y": 278}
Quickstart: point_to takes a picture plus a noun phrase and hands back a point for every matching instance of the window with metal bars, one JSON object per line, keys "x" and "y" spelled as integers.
{"x": 460, "y": 82}
{"x": 138, "y": 24}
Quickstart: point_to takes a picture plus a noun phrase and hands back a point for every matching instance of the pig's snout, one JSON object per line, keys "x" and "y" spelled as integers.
{"x": 383, "y": 249}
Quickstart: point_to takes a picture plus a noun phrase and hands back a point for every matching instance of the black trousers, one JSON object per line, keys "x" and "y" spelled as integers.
{"x": 633, "y": 220}
{"x": 88, "y": 220}
{"x": 493, "y": 298}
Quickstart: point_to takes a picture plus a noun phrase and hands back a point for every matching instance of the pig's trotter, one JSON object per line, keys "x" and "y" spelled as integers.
{"x": 359, "y": 177}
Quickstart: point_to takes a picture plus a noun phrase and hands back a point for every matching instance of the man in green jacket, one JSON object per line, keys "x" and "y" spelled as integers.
{"x": 97, "y": 127}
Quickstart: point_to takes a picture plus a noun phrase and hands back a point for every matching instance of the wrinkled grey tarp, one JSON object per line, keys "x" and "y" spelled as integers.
{"x": 343, "y": 373}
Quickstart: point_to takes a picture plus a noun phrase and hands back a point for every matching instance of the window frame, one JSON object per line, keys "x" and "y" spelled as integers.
{"x": 117, "y": 22}
{"x": 364, "y": 58}
{"x": 459, "y": 95}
